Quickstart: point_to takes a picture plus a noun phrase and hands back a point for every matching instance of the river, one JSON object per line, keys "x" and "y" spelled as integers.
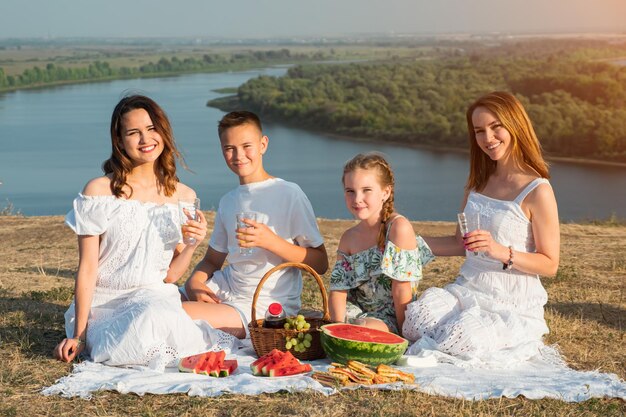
{"x": 55, "y": 139}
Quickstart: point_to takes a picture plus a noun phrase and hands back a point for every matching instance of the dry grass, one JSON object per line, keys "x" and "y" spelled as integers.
{"x": 38, "y": 264}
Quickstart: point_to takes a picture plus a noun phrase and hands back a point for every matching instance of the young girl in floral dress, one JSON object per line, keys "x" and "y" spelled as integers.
{"x": 379, "y": 261}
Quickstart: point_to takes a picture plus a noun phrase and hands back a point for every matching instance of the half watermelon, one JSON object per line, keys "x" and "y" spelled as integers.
{"x": 343, "y": 342}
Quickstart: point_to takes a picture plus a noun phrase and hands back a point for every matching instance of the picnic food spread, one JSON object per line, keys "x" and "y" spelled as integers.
{"x": 208, "y": 363}
{"x": 343, "y": 342}
{"x": 277, "y": 363}
{"x": 357, "y": 373}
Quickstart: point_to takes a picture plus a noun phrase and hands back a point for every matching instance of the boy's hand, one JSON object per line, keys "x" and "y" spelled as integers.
{"x": 258, "y": 235}
{"x": 198, "y": 291}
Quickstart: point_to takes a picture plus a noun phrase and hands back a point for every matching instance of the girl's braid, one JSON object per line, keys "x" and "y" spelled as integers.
{"x": 386, "y": 179}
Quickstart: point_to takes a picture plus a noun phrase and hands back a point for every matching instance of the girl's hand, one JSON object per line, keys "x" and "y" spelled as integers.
{"x": 257, "y": 235}
{"x": 196, "y": 229}
{"x": 68, "y": 349}
{"x": 482, "y": 241}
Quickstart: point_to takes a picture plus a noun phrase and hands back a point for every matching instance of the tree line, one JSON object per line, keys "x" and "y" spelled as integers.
{"x": 101, "y": 70}
{"x": 577, "y": 106}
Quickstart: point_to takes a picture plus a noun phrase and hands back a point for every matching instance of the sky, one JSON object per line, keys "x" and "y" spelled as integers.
{"x": 287, "y": 18}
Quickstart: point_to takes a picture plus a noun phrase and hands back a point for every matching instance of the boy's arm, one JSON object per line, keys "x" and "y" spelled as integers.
{"x": 196, "y": 284}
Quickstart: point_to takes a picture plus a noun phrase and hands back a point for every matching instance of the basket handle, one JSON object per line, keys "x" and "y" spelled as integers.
{"x": 298, "y": 265}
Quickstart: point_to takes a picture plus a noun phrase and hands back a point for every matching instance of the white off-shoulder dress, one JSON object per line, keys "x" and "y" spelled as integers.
{"x": 488, "y": 315}
{"x": 136, "y": 318}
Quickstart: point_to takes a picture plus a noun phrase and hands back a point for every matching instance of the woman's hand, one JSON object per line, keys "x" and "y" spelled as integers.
{"x": 68, "y": 349}
{"x": 196, "y": 229}
{"x": 482, "y": 241}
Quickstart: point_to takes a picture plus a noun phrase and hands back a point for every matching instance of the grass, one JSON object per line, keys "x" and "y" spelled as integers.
{"x": 585, "y": 313}
{"x": 9, "y": 209}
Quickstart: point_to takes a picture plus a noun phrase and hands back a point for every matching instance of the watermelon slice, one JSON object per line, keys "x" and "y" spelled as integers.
{"x": 257, "y": 366}
{"x": 191, "y": 363}
{"x": 217, "y": 364}
{"x": 206, "y": 367}
{"x": 272, "y": 352}
{"x": 290, "y": 370}
{"x": 286, "y": 360}
{"x": 228, "y": 368}
{"x": 208, "y": 363}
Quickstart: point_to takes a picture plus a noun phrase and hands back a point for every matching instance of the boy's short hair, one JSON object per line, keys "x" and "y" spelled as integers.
{"x": 238, "y": 118}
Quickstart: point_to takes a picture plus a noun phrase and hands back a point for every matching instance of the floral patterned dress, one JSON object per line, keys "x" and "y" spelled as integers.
{"x": 367, "y": 276}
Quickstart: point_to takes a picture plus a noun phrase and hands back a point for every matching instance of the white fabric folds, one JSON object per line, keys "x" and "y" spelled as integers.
{"x": 538, "y": 378}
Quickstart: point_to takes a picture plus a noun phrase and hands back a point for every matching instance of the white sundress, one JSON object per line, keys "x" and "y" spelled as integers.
{"x": 136, "y": 318}
{"x": 487, "y": 315}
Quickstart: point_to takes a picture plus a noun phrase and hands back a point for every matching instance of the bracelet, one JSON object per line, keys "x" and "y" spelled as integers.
{"x": 508, "y": 265}
{"x": 79, "y": 341}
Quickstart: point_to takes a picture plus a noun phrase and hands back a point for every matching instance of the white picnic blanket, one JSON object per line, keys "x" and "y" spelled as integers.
{"x": 537, "y": 379}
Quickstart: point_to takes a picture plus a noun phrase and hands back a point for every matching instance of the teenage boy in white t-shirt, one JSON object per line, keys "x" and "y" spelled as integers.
{"x": 285, "y": 231}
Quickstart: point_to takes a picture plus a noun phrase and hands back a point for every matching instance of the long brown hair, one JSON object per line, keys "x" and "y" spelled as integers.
{"x": 376, "y": 161}
{"x": 525, "y": 147}
{"x": 119, "y": 165}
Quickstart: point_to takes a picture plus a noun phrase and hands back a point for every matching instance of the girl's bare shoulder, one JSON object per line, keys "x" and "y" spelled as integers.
{"x": 402, "y": 233}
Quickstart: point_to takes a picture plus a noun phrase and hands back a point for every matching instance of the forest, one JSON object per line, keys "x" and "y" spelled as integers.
{"x": 103, "y": 70}
{"x": 577, "y": 104}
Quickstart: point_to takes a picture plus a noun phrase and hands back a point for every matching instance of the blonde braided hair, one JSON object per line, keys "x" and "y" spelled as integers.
{"x": 376, "y": 161}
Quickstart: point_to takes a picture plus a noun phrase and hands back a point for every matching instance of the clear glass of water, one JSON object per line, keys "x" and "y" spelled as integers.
{"x": 250, "y": 215}
{"x": 188, "y": 210}
{"x": 469, "y": 223}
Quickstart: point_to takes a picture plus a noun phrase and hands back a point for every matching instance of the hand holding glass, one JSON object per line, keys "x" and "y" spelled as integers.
{"x": 241, "y": 224}
{"x": 469, "y": 223}
{"x": 188, "y": 210}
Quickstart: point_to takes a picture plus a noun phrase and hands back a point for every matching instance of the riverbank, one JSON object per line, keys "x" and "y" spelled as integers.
{"x": 585, "y": 313}
{"x": 231, "y": 102}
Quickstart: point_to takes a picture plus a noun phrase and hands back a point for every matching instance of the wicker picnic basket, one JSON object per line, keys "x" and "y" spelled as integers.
{"x": 264, "y": 339}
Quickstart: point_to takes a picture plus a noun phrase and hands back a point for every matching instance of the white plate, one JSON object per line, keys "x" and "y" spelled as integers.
{"x": 284, "y": 377}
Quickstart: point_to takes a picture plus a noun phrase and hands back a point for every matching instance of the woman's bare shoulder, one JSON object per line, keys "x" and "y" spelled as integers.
{"x": 184, "y": 191}
{"x": 98, "y": 186}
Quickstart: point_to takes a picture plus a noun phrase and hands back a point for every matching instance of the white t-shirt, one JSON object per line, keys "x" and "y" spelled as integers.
{"x": 286, "y": 210}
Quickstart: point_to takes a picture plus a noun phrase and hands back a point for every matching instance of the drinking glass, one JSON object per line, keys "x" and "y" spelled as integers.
{"x": 469, "y": 223}
{"x": 240, "y": 224}
{"x": 188, "y": 210}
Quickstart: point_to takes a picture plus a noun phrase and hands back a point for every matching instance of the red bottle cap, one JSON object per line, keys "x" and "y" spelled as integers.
{"x": 275, "y": 309}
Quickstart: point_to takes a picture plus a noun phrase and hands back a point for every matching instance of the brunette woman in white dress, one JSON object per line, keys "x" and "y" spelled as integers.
{"x": 126, "y": 308}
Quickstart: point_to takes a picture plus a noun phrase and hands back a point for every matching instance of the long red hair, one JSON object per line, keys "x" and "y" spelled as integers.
{"x": 525, "y": 147}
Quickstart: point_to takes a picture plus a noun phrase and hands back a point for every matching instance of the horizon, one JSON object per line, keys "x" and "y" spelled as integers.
{"x": 269, "y": 19}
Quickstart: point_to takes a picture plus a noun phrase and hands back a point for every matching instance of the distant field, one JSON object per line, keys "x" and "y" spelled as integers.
{"x": 14, "y": 61}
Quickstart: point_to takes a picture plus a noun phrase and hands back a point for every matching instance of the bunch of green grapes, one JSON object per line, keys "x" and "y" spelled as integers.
{"x": 303, "y": 341}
